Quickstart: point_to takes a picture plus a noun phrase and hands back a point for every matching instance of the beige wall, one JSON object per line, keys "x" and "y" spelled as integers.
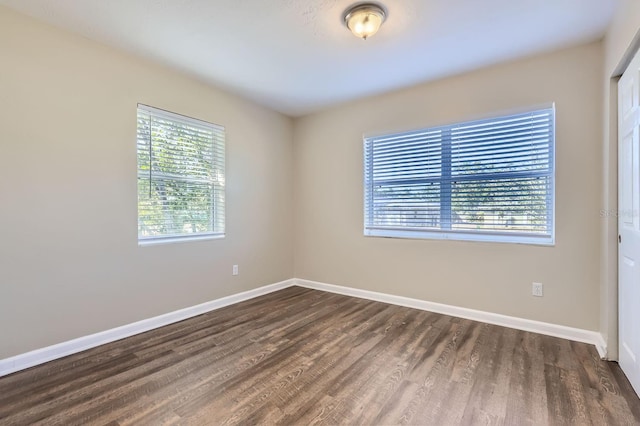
{"x": 617, "y": 41}
{"x": 69, "y": 260}
{"x": 330, "y": 246}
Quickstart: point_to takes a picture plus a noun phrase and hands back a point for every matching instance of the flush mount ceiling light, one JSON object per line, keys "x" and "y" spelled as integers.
{"x": 364, "y": 19}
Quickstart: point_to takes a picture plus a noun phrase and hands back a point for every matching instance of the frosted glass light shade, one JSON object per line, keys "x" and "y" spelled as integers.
{"x": 364, "y": 20}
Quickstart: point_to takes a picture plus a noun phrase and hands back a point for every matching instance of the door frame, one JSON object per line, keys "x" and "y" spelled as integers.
{"x": 609, "y": 274}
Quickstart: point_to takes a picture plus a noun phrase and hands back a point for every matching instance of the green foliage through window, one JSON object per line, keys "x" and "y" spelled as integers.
{"x": 490, "y": 177}
{"x": 180, "y": 176}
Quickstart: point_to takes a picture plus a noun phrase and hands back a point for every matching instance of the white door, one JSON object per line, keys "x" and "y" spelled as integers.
{"x": 629, "y": 221}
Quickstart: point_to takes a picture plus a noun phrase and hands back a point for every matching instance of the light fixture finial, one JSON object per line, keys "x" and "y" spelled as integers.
{"x": 364, "y": 19}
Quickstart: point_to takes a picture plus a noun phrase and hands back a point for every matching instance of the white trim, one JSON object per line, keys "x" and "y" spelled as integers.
{"x": 486, "y": 237}
{"x": 49, "y": 353}
{"x": 465, "y": 119}
{"x": 146, "y": 242}
{"x": 174, "y": 116}
{"x": 601, "y": 346}
{"x": 555, "y": 330}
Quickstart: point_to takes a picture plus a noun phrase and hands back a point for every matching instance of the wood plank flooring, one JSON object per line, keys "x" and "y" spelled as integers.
{"x": 299, "y": 357}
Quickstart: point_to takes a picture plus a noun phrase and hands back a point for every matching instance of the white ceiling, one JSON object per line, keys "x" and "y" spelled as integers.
{"x": 296, "y": 56}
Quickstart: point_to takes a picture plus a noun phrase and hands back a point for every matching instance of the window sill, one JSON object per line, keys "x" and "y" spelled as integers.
{"x": 182, "y": 239}
{"x": 545, "y": 241}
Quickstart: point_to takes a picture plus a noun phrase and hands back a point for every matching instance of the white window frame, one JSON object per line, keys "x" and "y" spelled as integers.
{"x": 217, "y": 164}
{"x": 371, "y": 230}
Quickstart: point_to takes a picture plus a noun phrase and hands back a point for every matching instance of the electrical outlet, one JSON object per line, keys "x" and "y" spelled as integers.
{"x": 536, "y": 289}
{"x": 235, "y": 269}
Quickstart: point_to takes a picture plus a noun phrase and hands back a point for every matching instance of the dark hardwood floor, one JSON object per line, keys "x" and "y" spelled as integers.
{"x": 302, "y": 356}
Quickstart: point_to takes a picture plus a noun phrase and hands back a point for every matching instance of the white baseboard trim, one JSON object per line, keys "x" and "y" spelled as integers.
{"x": 570, "y": 333}
{"x": 601, "y": 346}
{"x": 60, "y": 350}
{"x": 49, "y": 353}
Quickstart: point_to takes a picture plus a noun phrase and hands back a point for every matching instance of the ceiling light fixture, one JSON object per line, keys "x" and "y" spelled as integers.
{"x": 364, "y": 19}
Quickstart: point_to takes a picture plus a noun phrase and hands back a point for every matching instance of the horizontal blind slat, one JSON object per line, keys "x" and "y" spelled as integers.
{"x": 181, "y": 165}
{"x": 498, "y": 176}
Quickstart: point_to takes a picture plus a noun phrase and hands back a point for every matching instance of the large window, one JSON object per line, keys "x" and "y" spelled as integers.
{"x": 488, "y": 180}
{"x": 180, "y": 177}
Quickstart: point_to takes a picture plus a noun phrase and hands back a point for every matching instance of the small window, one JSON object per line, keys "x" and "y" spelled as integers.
{"x": 180, "y": 177}
{"x": 487, "y": 180}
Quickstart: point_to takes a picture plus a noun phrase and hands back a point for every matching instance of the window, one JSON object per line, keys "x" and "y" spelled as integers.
{"x": 487, "y": 180}
{"x": 180, "y": 177}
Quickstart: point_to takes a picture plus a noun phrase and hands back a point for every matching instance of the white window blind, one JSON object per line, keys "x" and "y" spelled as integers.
{"x": 489, "y": 180}
{"x": 181, "y": 176}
